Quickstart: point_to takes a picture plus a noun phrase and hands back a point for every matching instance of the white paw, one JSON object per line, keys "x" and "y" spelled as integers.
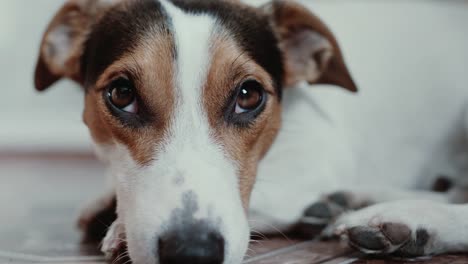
{"x": 114, "y": 241}
{"x": 401, "y": 228}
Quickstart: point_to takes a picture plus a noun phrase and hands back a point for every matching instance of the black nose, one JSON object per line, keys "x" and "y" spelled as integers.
{"x": 192, "y": 247}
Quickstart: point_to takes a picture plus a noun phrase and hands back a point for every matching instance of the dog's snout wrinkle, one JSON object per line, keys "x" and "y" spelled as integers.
{"x": 200, "y": 246}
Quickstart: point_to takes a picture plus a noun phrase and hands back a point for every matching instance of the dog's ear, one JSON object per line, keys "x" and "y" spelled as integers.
{"x": 62, "y": 43}
{"x": 311, "y": 52}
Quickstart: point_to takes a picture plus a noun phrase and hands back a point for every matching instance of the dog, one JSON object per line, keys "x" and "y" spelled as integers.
{"x": 189, "y": 103}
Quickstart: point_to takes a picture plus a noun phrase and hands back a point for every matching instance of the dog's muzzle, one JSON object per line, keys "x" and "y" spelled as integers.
{"x": 201, "y": 245}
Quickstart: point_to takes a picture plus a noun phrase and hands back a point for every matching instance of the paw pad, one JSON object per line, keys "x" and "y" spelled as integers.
{"x": 388, "y": 238}
{"x": 396, "y": 233}
{"x": 320, "y": 210}
{"x": 328, "y": 209}
{"x": 367, "y": 239}
{"x": 340, "y": 198}
{"x": 415, "y": 247}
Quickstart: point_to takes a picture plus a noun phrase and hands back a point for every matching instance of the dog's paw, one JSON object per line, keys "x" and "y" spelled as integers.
{"x": 97, "y": 217}
{"x": 331, "y": 206}
{"x": 324, "y": 212}
{"x": 396, "y": 229}
{"x": 395, "y": 239}
{"x": 327, "y": 209}
{"x": 113, "y": 244}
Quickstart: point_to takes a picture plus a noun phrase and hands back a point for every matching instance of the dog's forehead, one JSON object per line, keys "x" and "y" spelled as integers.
{"x": 250, "y": 28}
{"x": 123, "y": 27}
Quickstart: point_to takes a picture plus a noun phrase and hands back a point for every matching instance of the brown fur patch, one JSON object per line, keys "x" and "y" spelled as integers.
{"x": 151, "y": 67}
{"x": 70, "y": 25}
{"x": 246, "y": 146}
{"x": 291, "y": 20}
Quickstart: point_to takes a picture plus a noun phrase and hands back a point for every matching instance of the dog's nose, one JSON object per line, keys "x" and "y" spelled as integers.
{"x": 194, "y": 246}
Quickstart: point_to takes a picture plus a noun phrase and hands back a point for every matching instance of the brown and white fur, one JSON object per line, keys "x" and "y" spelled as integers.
{"x": 183, "y": 168}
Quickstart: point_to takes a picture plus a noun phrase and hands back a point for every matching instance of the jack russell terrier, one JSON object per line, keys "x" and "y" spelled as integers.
{"x": 184, "y": 99}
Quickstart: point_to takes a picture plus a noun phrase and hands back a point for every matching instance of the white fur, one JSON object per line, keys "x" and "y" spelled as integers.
{"x": 406, "y": 126}
{"x": 59, "y": 44}
{"x": 389, "y": 135}
{"x": 445, "y": 223}
{"x": 339, "y": 143}
{"x": 188, "y": 161}
{"x": 309, "y": 158}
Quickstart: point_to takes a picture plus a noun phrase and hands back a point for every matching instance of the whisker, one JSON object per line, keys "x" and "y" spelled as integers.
{"x": 260, "y": 234}
{"x": 273, "y": 227}
{"x": 120, "y": 257}
{"x": 128, "y": 261}
{"x": 256, "y": 242}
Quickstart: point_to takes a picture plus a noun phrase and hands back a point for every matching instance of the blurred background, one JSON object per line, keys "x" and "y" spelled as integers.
{"x": 398, "y": 42}
{"x": 415, "y": 40}
{"x": 33, "y": 122}
{"x": 386, "y": 43}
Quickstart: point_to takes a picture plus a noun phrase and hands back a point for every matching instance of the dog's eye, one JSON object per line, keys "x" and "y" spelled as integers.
{"x": 246, "y": 104}
{"x": 250, "y": 97}
{"x": 121, "y": 95}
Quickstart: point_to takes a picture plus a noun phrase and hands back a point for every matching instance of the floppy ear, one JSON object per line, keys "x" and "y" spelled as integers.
{"x": 311, "y": 52}
{"x": 62, "y": 43}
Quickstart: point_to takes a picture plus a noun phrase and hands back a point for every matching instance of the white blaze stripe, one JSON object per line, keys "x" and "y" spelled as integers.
{"x": 190, "y": 160}
{"x": 192, "y": 40}
{"x": 207, "y": 171}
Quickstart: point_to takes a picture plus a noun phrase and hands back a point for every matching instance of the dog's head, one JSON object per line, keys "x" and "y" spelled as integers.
{"x": 182, "y": 98}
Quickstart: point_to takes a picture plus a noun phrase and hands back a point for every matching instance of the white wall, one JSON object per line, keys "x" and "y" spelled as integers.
{"x": 382, "y": 40}
{"x": 28, "y": 120}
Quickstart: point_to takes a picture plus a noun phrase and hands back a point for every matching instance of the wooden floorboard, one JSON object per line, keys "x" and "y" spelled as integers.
{"x": 40, "y": 199}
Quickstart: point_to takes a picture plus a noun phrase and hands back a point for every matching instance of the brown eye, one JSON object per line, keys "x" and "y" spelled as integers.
{"x": 121, "y": 95}
{"x": 250, "y": 97}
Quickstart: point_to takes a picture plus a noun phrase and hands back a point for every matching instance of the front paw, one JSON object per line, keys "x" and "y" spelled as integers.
{"x": 390, "y": 238}
{"x": 387, "y": 229}
{"x": 97, "y": 217}
{"x": 327, "y": 209}
{"x": 324, "y": 212}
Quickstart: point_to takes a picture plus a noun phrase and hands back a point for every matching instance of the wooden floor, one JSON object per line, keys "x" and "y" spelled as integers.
{"x": 40, "y": 199}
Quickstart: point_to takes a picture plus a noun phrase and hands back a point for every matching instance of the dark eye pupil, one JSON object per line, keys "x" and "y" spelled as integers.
{"x": 250, "y": 96}
{"x": 122, "y": 96}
